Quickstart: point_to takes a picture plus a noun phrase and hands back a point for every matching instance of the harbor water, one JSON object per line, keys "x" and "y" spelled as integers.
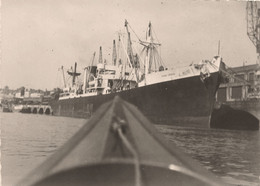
{"x": 28, "y": 139}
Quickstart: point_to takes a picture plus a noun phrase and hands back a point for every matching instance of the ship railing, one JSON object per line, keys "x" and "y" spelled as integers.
{"x": 64, "y": 94}
{"x": 91, "y": 93}
{"x": 91, "y": 89}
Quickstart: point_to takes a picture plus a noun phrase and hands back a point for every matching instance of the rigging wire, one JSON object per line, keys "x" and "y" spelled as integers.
{"x": 57, "y": 79}
{"x": 156, "y": 36}
{"x": 155, "y": 50}
{"x": 134, "y": 32}
{"x": 233, "y": 75}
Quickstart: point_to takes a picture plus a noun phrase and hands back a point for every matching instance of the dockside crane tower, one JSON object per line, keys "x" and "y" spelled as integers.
{"x": 253, "y": 25}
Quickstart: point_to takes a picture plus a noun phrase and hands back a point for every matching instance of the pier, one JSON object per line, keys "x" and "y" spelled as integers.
{"x": 37, "y": 109}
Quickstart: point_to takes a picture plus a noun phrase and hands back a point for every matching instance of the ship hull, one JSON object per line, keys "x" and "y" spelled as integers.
{"x": 186, "y": 102}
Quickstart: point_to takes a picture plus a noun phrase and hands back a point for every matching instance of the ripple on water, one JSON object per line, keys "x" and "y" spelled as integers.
{"x": 239, "y": 182}
{"x": 221, "y": 151}
{"x": 27, "y": 140}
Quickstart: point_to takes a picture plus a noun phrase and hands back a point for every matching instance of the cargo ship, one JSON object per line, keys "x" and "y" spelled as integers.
{"x": 175, "y": 96}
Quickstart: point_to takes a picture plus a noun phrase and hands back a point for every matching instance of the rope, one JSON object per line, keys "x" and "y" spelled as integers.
{"x": 159, "y": 61}
{"x": 231, "y": 75}
{"x": 133, "y": 151}
{"x": 213, "y": 65}
{"x": 156, "y": 36}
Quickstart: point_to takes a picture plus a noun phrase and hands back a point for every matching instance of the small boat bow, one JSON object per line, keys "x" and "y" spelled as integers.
{"x": 119, "y": 146}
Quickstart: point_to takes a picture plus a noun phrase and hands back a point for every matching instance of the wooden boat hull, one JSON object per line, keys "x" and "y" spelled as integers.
{"x": 113, "y": 174}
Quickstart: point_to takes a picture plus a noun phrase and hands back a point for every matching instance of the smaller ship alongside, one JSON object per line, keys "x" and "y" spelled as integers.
{"x": 238, "y": 100}
{"x": 119, "y": 146}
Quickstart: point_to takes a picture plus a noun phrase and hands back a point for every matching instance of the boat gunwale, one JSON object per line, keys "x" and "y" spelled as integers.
{"x": 172, "y": 168}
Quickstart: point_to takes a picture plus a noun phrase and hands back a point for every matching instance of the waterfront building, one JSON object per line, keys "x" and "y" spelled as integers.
{"x": 242, "y": 90}
{"x": 243, "y": 84}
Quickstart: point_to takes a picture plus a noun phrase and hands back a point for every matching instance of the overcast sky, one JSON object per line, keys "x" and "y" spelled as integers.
{"x": 39, "y": 36}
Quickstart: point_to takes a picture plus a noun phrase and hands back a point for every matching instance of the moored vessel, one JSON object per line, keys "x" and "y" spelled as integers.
{"x": 237, "y": 97}
{"x": 176, "y": 96}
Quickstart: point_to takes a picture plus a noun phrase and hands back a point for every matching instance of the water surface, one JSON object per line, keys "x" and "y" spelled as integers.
{"x": 28, "y": 139}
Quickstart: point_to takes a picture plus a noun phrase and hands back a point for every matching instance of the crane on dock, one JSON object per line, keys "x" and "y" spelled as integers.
{"x": 253, "y": 25}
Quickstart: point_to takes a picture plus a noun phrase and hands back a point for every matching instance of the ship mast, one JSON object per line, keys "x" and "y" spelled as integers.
{"x": 151, "y": 56}
{"x": 100, "y": 59}
{"x": 149, "y": 39}
{"x": 133, "y": 62}
{"x": 87, "y": 75}
{"x": 114, "y": 55}
{"x": 118, "y": 50}
{"x": 148, "y": 50}
{"x": 129, "y": 46}
{"x": 64, "y": 82}
{"x": 74, "y": 74}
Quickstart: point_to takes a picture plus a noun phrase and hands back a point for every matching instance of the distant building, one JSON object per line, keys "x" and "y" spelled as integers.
{"x": 36, "y": 95}
{"x": 18, "y": 95}
{"x": 27, "y": 93}
{"x": 243, "y": 84}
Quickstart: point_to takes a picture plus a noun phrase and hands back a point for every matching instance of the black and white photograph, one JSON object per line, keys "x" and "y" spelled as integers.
{"x": 129, "y": 93}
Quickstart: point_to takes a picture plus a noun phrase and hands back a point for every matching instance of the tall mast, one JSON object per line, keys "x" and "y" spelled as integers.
{"x": 100, "y": 60}
{"x": 149, "y": 37}
{"x": 118, "y": 50}
{"x": 129, "y": 46}
{"x": 64, "y": 82}
{"x": 148, "y": 49}
{"x": 134, "y": 63}
{"x": 92, "y": 62}
{"x": 87, "y": 75}
{"x": 114, "y": 56}
{"x": 74, "y": 73}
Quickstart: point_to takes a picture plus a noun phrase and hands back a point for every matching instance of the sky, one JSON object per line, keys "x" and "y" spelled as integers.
{"x": 40, "y": 36}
